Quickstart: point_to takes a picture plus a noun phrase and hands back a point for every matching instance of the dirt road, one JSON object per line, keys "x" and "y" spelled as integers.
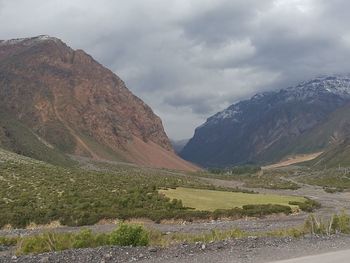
{"x": 338, "y": 257}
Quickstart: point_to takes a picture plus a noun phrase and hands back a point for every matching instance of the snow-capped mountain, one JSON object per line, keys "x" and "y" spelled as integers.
{"x": 270, "y": 125}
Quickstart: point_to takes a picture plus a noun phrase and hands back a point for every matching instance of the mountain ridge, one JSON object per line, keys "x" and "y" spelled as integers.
{"x": 79, "y": 106}
{"x": 269, "y": 125}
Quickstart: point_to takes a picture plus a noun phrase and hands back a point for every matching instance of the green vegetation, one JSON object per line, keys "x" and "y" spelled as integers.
{"x": 333, "y": 190}
{"x": 209, "y": 200}
{"x": 136, "y": 235}
{"x": 307, "y": 206}
{"x": 8, "y": 241}
{"x": 40, "y": 193}
{"x": 124, "y": 235}
{"x": 338, "y": 154}
{"x": 245, "y": 169}
{"x": 34, "y": 192}
{"x": 268, "y": 179}
{"x": 272, "y": 179}
{"x": 336, "y": 224}
{"x": 266, "y": 209}
{"x": 129, "y": 235}
{"x": 332, "y": 180}
{"x": 17, "y": 137}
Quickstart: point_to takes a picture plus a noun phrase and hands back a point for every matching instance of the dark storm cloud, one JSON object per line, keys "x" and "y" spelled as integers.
{"x": 201, "y": 104}
{"x": 190, "y": 59}
{"x": 226, "y": 21}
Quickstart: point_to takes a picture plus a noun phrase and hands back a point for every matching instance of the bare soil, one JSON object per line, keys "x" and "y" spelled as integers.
{"x": 293, "y": 160}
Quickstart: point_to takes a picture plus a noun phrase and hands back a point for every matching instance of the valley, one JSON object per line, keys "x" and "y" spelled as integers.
{"x": 88, "y": 174}
{"x": 75, "y": 191}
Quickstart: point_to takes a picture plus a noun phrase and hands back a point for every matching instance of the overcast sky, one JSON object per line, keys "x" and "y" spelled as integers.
{"x": 189, "y": 59}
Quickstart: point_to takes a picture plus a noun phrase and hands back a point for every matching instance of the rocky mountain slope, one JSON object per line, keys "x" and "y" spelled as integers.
{"x": 72, "y": 104}
{"x": 272, "y": 125}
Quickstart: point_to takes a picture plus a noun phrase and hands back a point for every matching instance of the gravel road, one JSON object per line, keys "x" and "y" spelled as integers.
{"x": 339, "y": 257}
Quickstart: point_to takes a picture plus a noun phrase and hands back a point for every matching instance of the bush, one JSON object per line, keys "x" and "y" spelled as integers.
{"x": 244, "y": 169}
{"x": 44, "y": 243}
{"x": 129, "y": 235}
{"x": 336, "y": 224}
{"x": 308, "y": 206}
{"x": 124, "y": 235}
{"x": 333, "y": 190}
{"x": 261, "y": 210}
{"x": 341, "y": 223}
{"x": 84, "y": 238}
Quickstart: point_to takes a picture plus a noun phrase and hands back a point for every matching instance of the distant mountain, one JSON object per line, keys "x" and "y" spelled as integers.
{"x": 178, "y": 145}
{"x": 272, "y": 125}
{"x": 55, "y": 100}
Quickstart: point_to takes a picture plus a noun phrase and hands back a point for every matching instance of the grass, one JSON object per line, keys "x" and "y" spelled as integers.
{"x": 137, "y": 235}
{"x": 123, "y": 235}
{"x": 209, "y": 200}
{"x": 332, "y": 180}
{"x": 16, "y": 137}
{"x": 268, "y": 179}
{"x": 129, "y": 235}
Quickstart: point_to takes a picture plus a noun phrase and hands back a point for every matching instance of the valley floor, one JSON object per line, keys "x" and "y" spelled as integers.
{"x": 237, "y": 250}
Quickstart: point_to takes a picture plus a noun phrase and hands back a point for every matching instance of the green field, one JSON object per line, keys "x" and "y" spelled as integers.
{"x": 209, "y": 200}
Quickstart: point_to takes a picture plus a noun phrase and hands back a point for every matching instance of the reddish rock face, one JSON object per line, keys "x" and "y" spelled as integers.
{"x": 79, "y": 106}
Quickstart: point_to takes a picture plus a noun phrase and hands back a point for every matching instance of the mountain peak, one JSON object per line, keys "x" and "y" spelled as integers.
{"x": 29, "y": 40}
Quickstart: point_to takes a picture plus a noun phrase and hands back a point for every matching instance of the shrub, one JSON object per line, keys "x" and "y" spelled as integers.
{"x": 308, "y": 206}
{"x": 44, "y": 243}
{"x": 84, "y": 238}
{"x": 314, "y": 225}
{"x": 129, "y": 235}
{"x": 260, "y": 210}
{"x": 244, "y": 169}
{"x": 333, "y": 190}
{"x": 341, "y": 223}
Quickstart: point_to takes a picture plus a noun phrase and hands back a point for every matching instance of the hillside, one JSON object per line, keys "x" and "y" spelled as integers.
{"x": 338, "y": 152}
{"x": 272, "y": 125}
{"x": 72, "y": 104}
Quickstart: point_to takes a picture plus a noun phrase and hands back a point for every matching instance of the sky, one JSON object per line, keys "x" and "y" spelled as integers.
{"x": 189, "y": 59}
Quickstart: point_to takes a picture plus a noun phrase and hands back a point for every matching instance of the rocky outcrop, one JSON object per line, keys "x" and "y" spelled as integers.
{"x": 78, "y": 106}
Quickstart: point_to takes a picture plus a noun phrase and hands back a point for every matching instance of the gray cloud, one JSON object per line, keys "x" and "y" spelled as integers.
{"x": 190, "y": 59}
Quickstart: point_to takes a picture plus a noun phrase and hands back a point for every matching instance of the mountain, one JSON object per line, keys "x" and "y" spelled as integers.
{"x": 66, "y": 102}
{"x": 338, "y": 152}
{"x": 178, "y": 145}
{"x": 302, "y": 119}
